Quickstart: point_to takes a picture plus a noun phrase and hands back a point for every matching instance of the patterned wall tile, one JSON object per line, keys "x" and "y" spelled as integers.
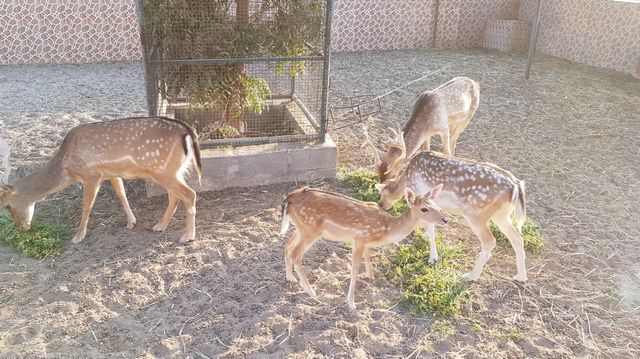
{"x": 37, "y": 31}
{"x": 598, "y": 32}
{"x": 601, "y": 33}
{"x": 461, "y": 23}
{"x": 507, "y": 35}
{"x": 366, "y": 25}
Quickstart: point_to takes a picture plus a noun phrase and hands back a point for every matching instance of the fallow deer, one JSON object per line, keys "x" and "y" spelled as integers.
{"x": 446, "y": 111}
{"x": 480, "y": 192}
{"x": 320, "y": 214}
{"x": 158, "y": 148}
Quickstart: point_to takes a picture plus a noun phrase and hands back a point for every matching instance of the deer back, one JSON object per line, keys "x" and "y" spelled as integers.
{"x": 468, "y": 185}
{"x": 130, "y": 148}
{"x": 320, "y": 211}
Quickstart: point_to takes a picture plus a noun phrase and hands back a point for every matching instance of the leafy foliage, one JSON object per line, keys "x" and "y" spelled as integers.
{"x": 434, "y": 289}
{"x": 43, "y": 239}
{"x": 215, "y": 29}
{"x": 363, "y": 182}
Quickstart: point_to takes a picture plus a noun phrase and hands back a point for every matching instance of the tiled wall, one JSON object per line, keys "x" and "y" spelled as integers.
{"x": 36, "y": 31}
{"x": 364, "y": 25}
{"x": 597, "y": 32}
{"x": 461, "y": 23}
{"x": 602, "y": 33}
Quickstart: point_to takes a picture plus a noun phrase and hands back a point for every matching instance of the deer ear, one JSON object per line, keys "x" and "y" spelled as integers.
{"x": 6, "y": 193}
{"x": 380, "y": 186}
{"x": 435, "y": 191}
{"x": 410, "y": 197}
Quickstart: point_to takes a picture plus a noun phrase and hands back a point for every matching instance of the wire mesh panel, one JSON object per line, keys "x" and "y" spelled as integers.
{"x": 241, "y": 72}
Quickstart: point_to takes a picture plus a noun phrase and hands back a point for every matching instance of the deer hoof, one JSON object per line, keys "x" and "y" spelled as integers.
{"x": 311, "y": 292}
{"x": 432, "y": 261}
{"x": 469, "y": 277}
{"x": 159, "y": 227}
{"x": 352, "y": 305}
{"x": 131, "y": 224}
{"x": 291, "y": 278}
{"x": 370, "y": 276}
{"x": 187, "y": 238}
{"x": 77, "y": 239}
{"x": 520, "y": 278}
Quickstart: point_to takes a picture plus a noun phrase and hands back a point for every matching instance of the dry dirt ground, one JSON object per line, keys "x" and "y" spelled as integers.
{"x": 572, "y": 133}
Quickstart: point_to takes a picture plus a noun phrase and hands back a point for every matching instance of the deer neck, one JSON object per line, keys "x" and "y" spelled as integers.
{"x": 400, "y": 227}
{"x": 38, "y": 185}
{"x": 412, "y": 140}
{"x": 397, "y": 185}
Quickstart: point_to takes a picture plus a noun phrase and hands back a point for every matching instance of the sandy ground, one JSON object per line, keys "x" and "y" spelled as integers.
{"x": 572, "y": 133}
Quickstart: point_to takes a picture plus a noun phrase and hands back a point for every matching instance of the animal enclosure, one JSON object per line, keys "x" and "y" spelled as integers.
{"x": 241, "y": 72}
{"x": 570, "y": 133}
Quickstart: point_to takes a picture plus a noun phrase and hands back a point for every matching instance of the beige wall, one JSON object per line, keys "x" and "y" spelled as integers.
{"x": 601, "y": 33}
{"x": 36, "y": 31}
{"x": 596, "y": 32}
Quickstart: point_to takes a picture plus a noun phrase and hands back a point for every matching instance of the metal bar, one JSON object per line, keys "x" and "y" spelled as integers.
{"x": 436, "y": 14}
{"x": 148, "y": 73}
{"x": 534, "y": 39}
{"x": 325, "y": 70}
{"x": 248, "y": 60}
{"x": 306, "y": 112}
{"x": 247, "y": 141}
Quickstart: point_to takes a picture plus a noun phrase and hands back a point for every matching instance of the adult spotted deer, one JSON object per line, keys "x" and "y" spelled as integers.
{"x": 320, "y": 214}
{"x": 445, "y": 111}
{"x": 158, "y": 148}
{"x": 480, "y": 192}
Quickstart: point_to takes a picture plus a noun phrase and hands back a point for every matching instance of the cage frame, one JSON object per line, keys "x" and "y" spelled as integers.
{"x": 323, "y": 57}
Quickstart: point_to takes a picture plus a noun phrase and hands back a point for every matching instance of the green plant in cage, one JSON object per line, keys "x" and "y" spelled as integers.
{"x": 224, "y": 29}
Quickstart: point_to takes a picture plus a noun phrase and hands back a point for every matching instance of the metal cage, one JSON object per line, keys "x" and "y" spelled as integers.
{"x": 242, "y": 72}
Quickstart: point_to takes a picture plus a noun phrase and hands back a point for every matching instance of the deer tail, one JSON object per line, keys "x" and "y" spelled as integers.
{"x": 285, "y": 218}
{"x": 520, "y": 209}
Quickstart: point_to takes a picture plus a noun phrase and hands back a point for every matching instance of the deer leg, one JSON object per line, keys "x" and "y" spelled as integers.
{"x": 304, "y": 243}
{"x": 433, "y": 250}
{"x": 168, "y": 213}
{"x": 367, "y": 264}
{"x": 487, "y": 241}
{"x": 504, "y": 223}
{"x": 446, "y": 145}
{"x": 288, "y": 259}
{"x": 188, "y": 198}
{"x": 358, "y": 250}
{"x": 426, "y": 145}
{"x": 90, "y": 189}
{"x": 118, "y": 187}
{"x": 455, "y": 132}
{"x": 189, "y": 201}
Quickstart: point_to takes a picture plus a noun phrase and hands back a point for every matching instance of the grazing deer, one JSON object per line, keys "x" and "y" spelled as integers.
{"x": 480, "y": 192}
{"x": 320, "y": 214}
{"x": 143, "y": 147}
{"x": 445, "y": 111}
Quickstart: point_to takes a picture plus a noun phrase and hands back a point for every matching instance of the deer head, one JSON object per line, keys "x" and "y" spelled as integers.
{"x": 21, "y": 211}
{"x": 390, "y": 161}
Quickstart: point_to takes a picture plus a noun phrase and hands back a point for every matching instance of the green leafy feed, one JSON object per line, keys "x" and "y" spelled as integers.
{"x": 42, "y": 240}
